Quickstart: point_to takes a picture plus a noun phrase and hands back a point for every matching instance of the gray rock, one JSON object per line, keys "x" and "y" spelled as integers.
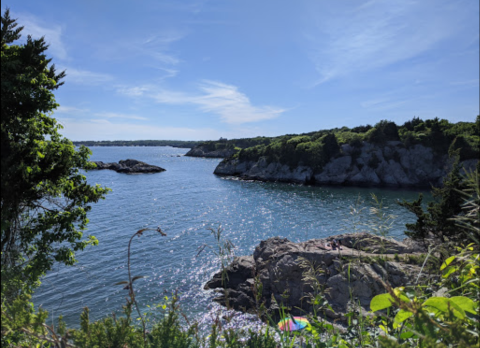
{"x": 129, "y": 166}
{"x": 277, "y": 264}
{"x": 394, "y": 166}
{"x": 335, "y": 172}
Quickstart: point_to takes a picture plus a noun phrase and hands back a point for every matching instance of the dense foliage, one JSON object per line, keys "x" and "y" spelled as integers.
{"x": 315, "y": 149}
{"x": 437, "y": 222}
{"x": 237, "y": 144}
{"x": 44, "y": 196}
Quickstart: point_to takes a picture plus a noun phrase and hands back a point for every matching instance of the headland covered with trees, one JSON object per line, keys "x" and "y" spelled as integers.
{"x": 45, "y": 200}
{"x": 415, "y": 154}
{"x": 317, "y": 148}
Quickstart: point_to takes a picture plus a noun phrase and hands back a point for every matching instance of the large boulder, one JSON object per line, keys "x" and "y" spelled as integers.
{"x": 276, "y": 274}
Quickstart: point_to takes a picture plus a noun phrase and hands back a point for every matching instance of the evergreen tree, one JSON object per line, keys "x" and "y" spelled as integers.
{"x": 44, "y": 196}
{"x": 437, "y": 221}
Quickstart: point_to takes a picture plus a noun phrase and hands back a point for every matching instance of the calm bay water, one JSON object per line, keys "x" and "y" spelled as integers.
{"x": 185, "y": 201}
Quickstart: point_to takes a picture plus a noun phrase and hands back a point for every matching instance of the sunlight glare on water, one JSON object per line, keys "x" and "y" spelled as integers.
{"x": 185, "y": 201}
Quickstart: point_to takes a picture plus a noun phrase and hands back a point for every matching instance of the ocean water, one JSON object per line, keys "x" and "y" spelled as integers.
{"x": 186, "y": 201}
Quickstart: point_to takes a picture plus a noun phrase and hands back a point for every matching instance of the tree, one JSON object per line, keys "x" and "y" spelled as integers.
{"x": 330, "y": 146}
{"x": 44, "y": 195}
{"x": 382, "y": 132}
{"x": 438, "y": 221}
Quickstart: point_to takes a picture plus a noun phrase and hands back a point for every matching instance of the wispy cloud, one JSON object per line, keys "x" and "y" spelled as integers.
{"x": 70, "y": 110}
{"x": 155, "y": 50}
{"x": 135, "y": 91}
{"x": 52, "y": 33}
{"x": 117, "y": 115}
{"x": 157, "y": 46}
{"x": 379, "y": 33}
{"x": 233, "y": 106}
{"x": 385, "y": 104}
{"x": 85, "y": 77}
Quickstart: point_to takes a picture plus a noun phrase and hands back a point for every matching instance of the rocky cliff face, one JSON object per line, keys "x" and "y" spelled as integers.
{"x": 129, "y": 166}
{"x": 203, "y": 151}
{"x": 346, "y": 275}
{"x": 369, "y": 165}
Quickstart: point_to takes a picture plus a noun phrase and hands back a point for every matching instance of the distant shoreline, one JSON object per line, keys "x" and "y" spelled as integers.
{"x": 173, "y": 143}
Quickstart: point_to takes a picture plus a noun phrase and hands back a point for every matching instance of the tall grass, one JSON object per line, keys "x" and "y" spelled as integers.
{"x": 443, "y": 313}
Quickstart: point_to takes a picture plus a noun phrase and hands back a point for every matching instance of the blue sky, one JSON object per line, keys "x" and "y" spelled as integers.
{"x": 200, "y": 70}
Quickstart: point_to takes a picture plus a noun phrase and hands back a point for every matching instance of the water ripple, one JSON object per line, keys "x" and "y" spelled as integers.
{"x": 185, "y": 201}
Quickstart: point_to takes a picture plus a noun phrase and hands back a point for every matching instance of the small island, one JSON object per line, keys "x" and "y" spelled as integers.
{"x": 129, "y": 166}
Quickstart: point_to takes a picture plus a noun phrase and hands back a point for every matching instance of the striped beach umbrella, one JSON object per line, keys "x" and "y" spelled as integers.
{"x": 293, "y": 323}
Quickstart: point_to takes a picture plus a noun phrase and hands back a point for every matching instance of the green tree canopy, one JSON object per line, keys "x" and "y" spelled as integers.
{"x": 44, "y": 196}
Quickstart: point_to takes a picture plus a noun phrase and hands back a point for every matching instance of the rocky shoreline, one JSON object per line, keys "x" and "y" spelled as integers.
{"x": 129, "y": 166}
{"x": 391, "y": 165}
{"x": 349, "y": 277}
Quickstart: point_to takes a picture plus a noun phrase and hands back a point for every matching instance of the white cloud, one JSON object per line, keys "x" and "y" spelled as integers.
{"x": 155, "y": 48}
{"x": 117, "y": 115}
{"x": 85, "y": 77}
{"x": 222, "y": 99}
{"x": 379, "y": 33}
{"x": 136, "y": 91}
{"x": 164, "y": 38}
{"x": 52, "y": 34}
{"x": 232, "y": 105}
{"x": 385, "y": 104}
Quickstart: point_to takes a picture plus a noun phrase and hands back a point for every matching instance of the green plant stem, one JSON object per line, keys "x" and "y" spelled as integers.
{"x": 130, "y": 289}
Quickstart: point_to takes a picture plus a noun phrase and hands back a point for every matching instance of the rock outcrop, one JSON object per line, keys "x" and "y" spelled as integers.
{"x": 129, "y": 166}
{"x": 351, "y": 276}
{"x": 391, "y": 165}
{"x": 203, "y": 151}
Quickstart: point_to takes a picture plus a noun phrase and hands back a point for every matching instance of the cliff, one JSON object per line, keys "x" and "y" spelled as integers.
{"x": 277, "y": 273}
{"x": 392, "y": 164}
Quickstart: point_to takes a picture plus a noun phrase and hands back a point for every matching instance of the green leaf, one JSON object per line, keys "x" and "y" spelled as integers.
{"x": 405, "y": 335}
{"x": 448, "y": 271}
{"x": 384, "y": 328}
{"x": 402, "y": 315}
{"x": 465, "y": 303}
{"x": 439, "y": 305}
{"x": 447, "y": 262}
{"x": 380, "y": 302}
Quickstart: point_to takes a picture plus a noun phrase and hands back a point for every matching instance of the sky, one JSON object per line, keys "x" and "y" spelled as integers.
{"x": 201, "y": 70}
